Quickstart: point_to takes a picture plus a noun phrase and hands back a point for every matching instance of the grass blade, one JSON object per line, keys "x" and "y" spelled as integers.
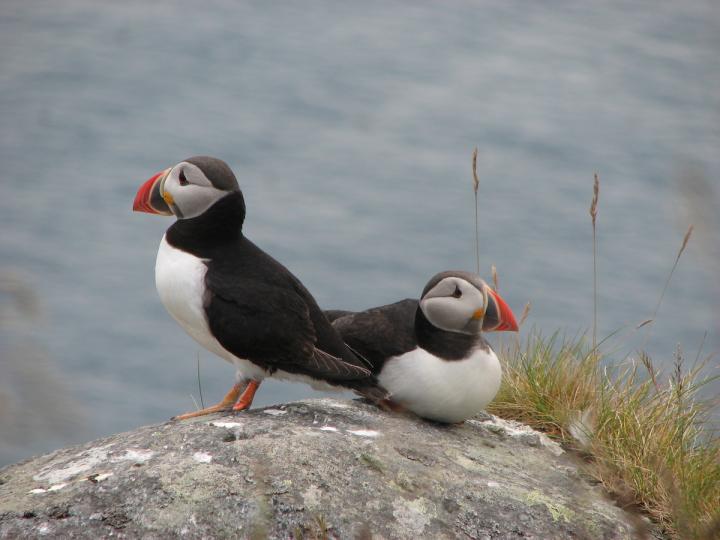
{"x": 685, "y": 241}
{"x": 476, "y": 185}
{"x": 593, "y": 216}
{"x": 202, "y": 401}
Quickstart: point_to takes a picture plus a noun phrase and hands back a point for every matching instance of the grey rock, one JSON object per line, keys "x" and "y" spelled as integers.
{"x": 313, "y": 469}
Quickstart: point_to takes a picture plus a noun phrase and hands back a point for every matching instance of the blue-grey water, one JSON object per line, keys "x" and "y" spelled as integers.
{"x": 350, "y": 127}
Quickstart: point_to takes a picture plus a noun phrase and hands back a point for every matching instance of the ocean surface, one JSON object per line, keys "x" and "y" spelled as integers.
{"x": 350, "y": 127}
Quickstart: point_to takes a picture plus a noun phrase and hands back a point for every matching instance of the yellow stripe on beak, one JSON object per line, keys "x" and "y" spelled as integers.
{"x": 168, "y": 198}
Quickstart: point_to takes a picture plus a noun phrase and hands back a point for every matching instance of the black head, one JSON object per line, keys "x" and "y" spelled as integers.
{"x": 216, "y": 171}
{"x": 458, "y": 301}
{"x": 187, "y": 189}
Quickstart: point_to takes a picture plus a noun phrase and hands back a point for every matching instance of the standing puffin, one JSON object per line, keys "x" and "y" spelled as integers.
{"x": 430, "y": 354}
{"x": 235, "y": 299}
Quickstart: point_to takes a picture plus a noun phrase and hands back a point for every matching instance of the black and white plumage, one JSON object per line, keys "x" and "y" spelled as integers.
{"x": 430, "y": 354}
{"x": 232, "y": 297}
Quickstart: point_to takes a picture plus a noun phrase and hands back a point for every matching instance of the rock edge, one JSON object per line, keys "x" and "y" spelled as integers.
{"x": 310, "y": 469}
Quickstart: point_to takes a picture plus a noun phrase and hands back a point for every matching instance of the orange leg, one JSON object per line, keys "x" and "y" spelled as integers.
{"x": 244, "y": 401}
{"x": 225, "y": 405}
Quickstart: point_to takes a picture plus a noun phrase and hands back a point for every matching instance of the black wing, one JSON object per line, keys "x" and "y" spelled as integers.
{"x": 270, "y": 326}
{"x": 380, "y": 333}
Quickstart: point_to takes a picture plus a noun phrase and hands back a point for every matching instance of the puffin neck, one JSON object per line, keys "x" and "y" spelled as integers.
{"x": 442, "y": 343}
{"x": 218, "y": 225}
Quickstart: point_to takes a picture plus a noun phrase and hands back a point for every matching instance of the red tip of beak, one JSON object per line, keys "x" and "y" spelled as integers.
{"x": 507, "y": 318}
{"x": 144, "y": 194}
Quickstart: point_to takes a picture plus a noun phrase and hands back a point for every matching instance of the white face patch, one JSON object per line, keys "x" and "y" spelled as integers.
{"x": 192, "y": 193}
{"x": 454, "y": 304}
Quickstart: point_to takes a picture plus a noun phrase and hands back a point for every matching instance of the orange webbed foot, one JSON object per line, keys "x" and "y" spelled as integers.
{"x": 225, "y": 405}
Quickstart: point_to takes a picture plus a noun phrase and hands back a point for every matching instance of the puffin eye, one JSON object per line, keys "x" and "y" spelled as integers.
{"x": 181, "y": 178}
{"x": 457, "y": 293}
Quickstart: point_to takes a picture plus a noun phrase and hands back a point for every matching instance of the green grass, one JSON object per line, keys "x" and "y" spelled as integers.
{"x": 645, "y": 434}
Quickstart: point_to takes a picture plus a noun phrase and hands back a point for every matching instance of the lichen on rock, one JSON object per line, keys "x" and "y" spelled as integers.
{"x": 314, "y": 468}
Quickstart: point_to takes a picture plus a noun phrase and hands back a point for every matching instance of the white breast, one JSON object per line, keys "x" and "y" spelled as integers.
{"x": 180, "y": 282}
{"x": 446, "y": 391}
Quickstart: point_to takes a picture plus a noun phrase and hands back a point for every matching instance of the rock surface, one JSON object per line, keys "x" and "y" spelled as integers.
{"x": 310, "y": 469}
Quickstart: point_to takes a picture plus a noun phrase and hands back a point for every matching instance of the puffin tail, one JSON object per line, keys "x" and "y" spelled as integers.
{"x": 375, "y": 393}
{"x": 337, "y": 369}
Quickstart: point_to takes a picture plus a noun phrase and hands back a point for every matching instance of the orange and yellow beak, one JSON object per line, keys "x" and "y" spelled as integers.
{"x": 149, "y": 197}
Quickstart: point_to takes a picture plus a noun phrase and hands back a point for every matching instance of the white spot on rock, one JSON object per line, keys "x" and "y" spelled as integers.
{"x": 334, "y": 403}
{"x": 87, "y": 460}
{"x": 202, "y": 457}
{"x": 136, "y": 455}
{"x": 492, "y": 484}
{"x": 44, "y": 528}
{"x": 328, "y": 428}
{"x": 363, "y": 432}
{"x": 275, "y": 412}
{"x": 228, "y": 425}
{"x": 54, "y": 487}
{"x": 524, "y": 434}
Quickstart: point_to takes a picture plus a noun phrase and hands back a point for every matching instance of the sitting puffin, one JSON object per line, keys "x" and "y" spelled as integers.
{"x": 430, "y": 354}
{"x": 235, "y": 299}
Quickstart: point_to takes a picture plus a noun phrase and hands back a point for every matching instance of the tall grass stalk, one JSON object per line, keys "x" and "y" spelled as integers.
{"x": 593, "y": 216}
{"x": 202, "y": 401}
{"x": 476, "y": 185}
{"x": 649, "y": 323}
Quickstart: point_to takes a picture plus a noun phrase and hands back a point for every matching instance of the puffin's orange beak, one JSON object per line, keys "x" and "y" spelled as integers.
{"x": 149, "y": 197}
{"x": 506, "y": 317}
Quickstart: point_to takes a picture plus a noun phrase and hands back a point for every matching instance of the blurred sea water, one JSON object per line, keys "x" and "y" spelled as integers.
{"x": 350, "y": 127}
